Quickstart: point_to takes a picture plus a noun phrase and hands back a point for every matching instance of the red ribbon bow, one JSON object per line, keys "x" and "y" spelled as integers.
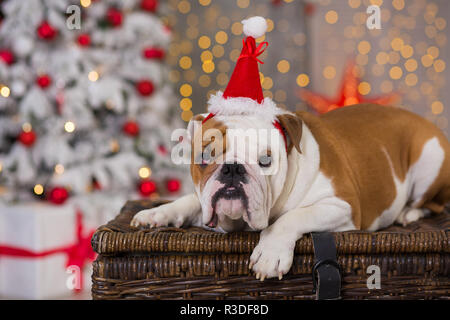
{"x": 254, "y": 54}
{"x": 77, "y": 253}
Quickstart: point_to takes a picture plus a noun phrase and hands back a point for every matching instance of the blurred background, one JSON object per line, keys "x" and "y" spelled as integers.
{"x": 91, "y": 90}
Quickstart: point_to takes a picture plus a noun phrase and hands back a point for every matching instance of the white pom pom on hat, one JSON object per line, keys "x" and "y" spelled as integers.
{"x": 254, "y": 27}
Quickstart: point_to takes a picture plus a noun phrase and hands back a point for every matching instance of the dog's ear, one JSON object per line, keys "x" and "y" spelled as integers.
{"x": 292, "y": 126}
{"x": 194, "y": 124}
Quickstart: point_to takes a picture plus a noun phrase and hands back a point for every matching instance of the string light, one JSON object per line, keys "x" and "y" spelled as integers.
{"x": 93, "y": 76}
{"x": 329, "y": 72}
{"x": 437, "y": 107}
{"x": 145, "y": 172}
{"x": 187, "y": 115}
{"x": 186, "y": 90}
{"x": 206, "y": 55}
{"x": 69, "y": 126}
{"x": 184, "y": 6}
{"x": 208, "y": 66}
{"x": 85, "y": 3}
{"x": 243, "y": 3}
{"x": 302, "y": 80}
{"x": 204, "y": 42}
{"x": 221, "y": 37}
{"x": 331, "y": 17}
{"x": 114, "y": 146}
{"x": 38, "y": 189}
{"x": 26, "y": 127}
{"x": 5, "y": 91}
{"x": 283, "y": 66}
{"x": 395, "y": 73}
{"x": 267, "y": 83}
{"x": 185, "y": 62}
{"x": 59, "y": 169}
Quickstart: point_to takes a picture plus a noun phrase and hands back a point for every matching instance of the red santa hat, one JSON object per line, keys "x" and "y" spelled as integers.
{"x": 243, "y": 95}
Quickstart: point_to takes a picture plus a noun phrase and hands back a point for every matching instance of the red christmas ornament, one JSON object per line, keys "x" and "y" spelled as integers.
{"x": 162, "y": 149}
{"x": 46, "y": 31}
{"x": 347, "y": 95}
{"x": 58, "y": 195}
{"x": 131, "y": 128}
{"x": 43, "y": 81}
{"x": 84, "y": 40}
{"x": 277, "y": 2}
{"x": 27, "y": 138}
{"x": 167, "y": 29}
{"x": 7, "y": 56}
{"x": 153, "y": 53}
{"x": 147, "y": 187}
{"x": 149, "y": 5}
{"x": 114, "y": 17}
{"x": 96, "y": 185}
{"x": 173, "y": 185}
{"x": 309, "y": 9}
{"x": 145, "y": 87}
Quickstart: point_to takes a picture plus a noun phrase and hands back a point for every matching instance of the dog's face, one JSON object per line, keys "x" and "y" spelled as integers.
{"x": 237, "y": 178}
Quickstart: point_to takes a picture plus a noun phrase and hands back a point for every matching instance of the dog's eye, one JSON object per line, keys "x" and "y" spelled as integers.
{"x": 265, "y": 161}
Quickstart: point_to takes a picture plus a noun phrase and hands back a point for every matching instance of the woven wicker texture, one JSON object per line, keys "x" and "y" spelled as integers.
{"x": 173, "y": 263}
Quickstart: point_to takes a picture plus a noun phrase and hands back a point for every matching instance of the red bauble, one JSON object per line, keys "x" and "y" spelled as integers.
{"x": 131, "y": 128}
{"x": 145, "y": 87}
{"x": 58, "y": 195}
{"x": 162, "y": 149}
{"x": 309, "y": 9}
{"x": 46, "y": 31}
{"x": 147, "y": 187}
{"x": 84, "y": 40}
{"x": 7, "y": 56}
{"x": 167, "y": 29}
{"x": 43, "y": 81}
{"x": 173, "y": 185}
{"x": 153, "y": 53}
{"x": 149, "y": 5}
{"x": 114, "y": 17}
{"x": 27, "y": 138}
{"x": 96, "y": 185}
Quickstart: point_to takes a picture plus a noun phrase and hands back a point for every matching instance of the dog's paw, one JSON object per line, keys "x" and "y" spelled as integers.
{"x": 410, "y": 215}
{"x": 160, "y": 216}
{"x": 272, "y": 257}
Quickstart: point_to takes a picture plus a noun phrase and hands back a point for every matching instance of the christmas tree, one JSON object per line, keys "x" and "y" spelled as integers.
{"x": 84, "y": 99}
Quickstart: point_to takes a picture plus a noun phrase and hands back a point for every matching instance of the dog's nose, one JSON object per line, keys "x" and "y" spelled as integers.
{"x": 233, "y": 169}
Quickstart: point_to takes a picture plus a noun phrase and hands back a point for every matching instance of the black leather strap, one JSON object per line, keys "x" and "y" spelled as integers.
{"x": 326, "y": 271}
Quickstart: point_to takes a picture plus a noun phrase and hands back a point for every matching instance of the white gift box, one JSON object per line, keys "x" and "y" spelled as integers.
{"x": 41, "y": 228}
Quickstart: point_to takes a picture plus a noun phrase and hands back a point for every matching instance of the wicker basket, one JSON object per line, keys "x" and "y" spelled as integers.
{"x": 172, "y": 263}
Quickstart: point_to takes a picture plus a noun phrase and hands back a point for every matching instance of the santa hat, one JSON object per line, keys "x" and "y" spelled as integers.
{"x": 243, "y": 95}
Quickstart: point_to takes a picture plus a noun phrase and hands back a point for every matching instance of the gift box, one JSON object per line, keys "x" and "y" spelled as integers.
{"x": 45, "y": 250}
{"x": 410, "y": 262}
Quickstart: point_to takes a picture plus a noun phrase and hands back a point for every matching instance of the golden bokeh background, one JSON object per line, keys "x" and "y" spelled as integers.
{"x": 208, "y": 39}
{"x": 309, "y": 45}
{"x": 409, "y": 55}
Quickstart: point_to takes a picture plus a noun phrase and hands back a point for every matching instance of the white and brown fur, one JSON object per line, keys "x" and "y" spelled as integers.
{"x": 362, "y": 167}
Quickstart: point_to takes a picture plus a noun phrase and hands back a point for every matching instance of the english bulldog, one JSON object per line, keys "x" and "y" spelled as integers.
{"x": 361, "y": 167}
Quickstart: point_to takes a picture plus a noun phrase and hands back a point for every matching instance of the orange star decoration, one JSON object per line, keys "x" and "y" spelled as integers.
{"x": 349, "y": 94}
